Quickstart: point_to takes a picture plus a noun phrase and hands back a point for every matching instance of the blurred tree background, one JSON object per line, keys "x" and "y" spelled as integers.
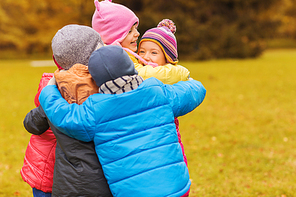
{"x": 206, "y": 29}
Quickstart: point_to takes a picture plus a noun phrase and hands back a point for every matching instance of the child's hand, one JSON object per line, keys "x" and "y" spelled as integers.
{"x": 141, "y": 62}
{"x": 52, "y": 81}
{"x": 152, "y": 64}
{"x": 148, "y": 63}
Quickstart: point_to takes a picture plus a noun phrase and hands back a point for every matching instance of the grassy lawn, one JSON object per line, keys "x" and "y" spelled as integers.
{"x": 18, "y": 86}
{"x": 239, "y": 142}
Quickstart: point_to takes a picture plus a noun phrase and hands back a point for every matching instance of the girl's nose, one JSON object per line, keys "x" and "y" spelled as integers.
{"x": 137, "y": 34}
{"x": 146, "y": 56}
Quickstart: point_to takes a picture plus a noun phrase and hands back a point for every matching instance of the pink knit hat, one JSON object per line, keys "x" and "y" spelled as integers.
{"x": 112, "y": 21}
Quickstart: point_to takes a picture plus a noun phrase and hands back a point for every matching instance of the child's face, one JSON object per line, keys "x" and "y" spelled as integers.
{"x": 151, "y": 52}
{"x": 130, "y": 41}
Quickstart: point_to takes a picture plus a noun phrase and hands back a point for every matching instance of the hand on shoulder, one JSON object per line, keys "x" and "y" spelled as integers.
{"x": 52, "y": 81}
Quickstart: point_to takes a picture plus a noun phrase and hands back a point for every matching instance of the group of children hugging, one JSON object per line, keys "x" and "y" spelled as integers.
{"x": 105, "y": 122}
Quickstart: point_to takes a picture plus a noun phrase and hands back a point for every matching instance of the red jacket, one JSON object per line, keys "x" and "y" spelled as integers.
{"x": 179, "y": 138}
{"x": 39, "y": 159}
{"x": 182, "y": 147}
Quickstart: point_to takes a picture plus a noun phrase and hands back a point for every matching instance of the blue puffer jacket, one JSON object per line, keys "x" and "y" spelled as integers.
{"x": 134, "y": 134}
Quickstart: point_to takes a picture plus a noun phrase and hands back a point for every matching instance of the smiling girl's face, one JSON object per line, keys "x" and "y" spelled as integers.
{"x": 130, "y": 41}
{"x": 151, "y": 52}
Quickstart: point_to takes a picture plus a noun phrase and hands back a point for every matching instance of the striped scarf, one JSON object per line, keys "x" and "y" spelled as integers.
{"x": 121, "y": 85}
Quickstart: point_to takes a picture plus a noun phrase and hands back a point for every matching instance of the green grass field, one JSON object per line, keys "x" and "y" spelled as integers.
{"x": 239, "y": 142}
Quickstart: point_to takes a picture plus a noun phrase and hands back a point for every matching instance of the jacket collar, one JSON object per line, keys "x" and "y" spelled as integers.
{"x": 121, "y": 85}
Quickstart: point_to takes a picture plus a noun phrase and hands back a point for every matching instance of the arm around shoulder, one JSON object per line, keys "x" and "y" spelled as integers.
{"x": 36, "y": 122}
{"x": 168, "y": 74}
{"x": 72, "y": 119}
{"x": 185, "y": 96}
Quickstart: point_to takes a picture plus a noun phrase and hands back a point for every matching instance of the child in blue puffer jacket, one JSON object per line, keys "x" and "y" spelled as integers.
{"x": 131, "y": 122}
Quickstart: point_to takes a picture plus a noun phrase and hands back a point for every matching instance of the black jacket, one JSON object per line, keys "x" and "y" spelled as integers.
{"x": 77, "y": 170}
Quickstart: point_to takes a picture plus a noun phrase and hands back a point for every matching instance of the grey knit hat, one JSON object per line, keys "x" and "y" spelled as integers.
{"x": 74, "y": 44}
{"x": 109, "y": 63}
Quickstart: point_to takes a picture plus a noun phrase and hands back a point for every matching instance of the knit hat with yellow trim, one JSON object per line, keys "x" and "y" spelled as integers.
{"x": 163, "y": 36}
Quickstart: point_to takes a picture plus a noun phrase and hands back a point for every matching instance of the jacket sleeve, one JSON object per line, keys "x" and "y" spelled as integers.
{"x": 184, "y": 96}
{"x": 74, "y": 120}
{"x": 36, "y": 122}
{"x": 167, "y": 74}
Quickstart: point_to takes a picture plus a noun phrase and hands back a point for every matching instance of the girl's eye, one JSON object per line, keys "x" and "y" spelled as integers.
{"x": 141, "y": 52}
{"x": 154, "y": 53}
{"x": 133, "y": 29}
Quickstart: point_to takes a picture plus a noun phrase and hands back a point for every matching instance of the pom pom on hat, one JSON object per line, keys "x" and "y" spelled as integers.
{"x": 163, "y": 36}
{"x": 169, "y": 24}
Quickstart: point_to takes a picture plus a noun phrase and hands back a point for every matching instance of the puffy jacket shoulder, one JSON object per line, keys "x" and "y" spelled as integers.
{"x": 43, "y": 82}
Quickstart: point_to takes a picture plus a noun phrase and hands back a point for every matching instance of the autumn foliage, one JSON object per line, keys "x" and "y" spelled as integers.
{"x": 206, "y": 29}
